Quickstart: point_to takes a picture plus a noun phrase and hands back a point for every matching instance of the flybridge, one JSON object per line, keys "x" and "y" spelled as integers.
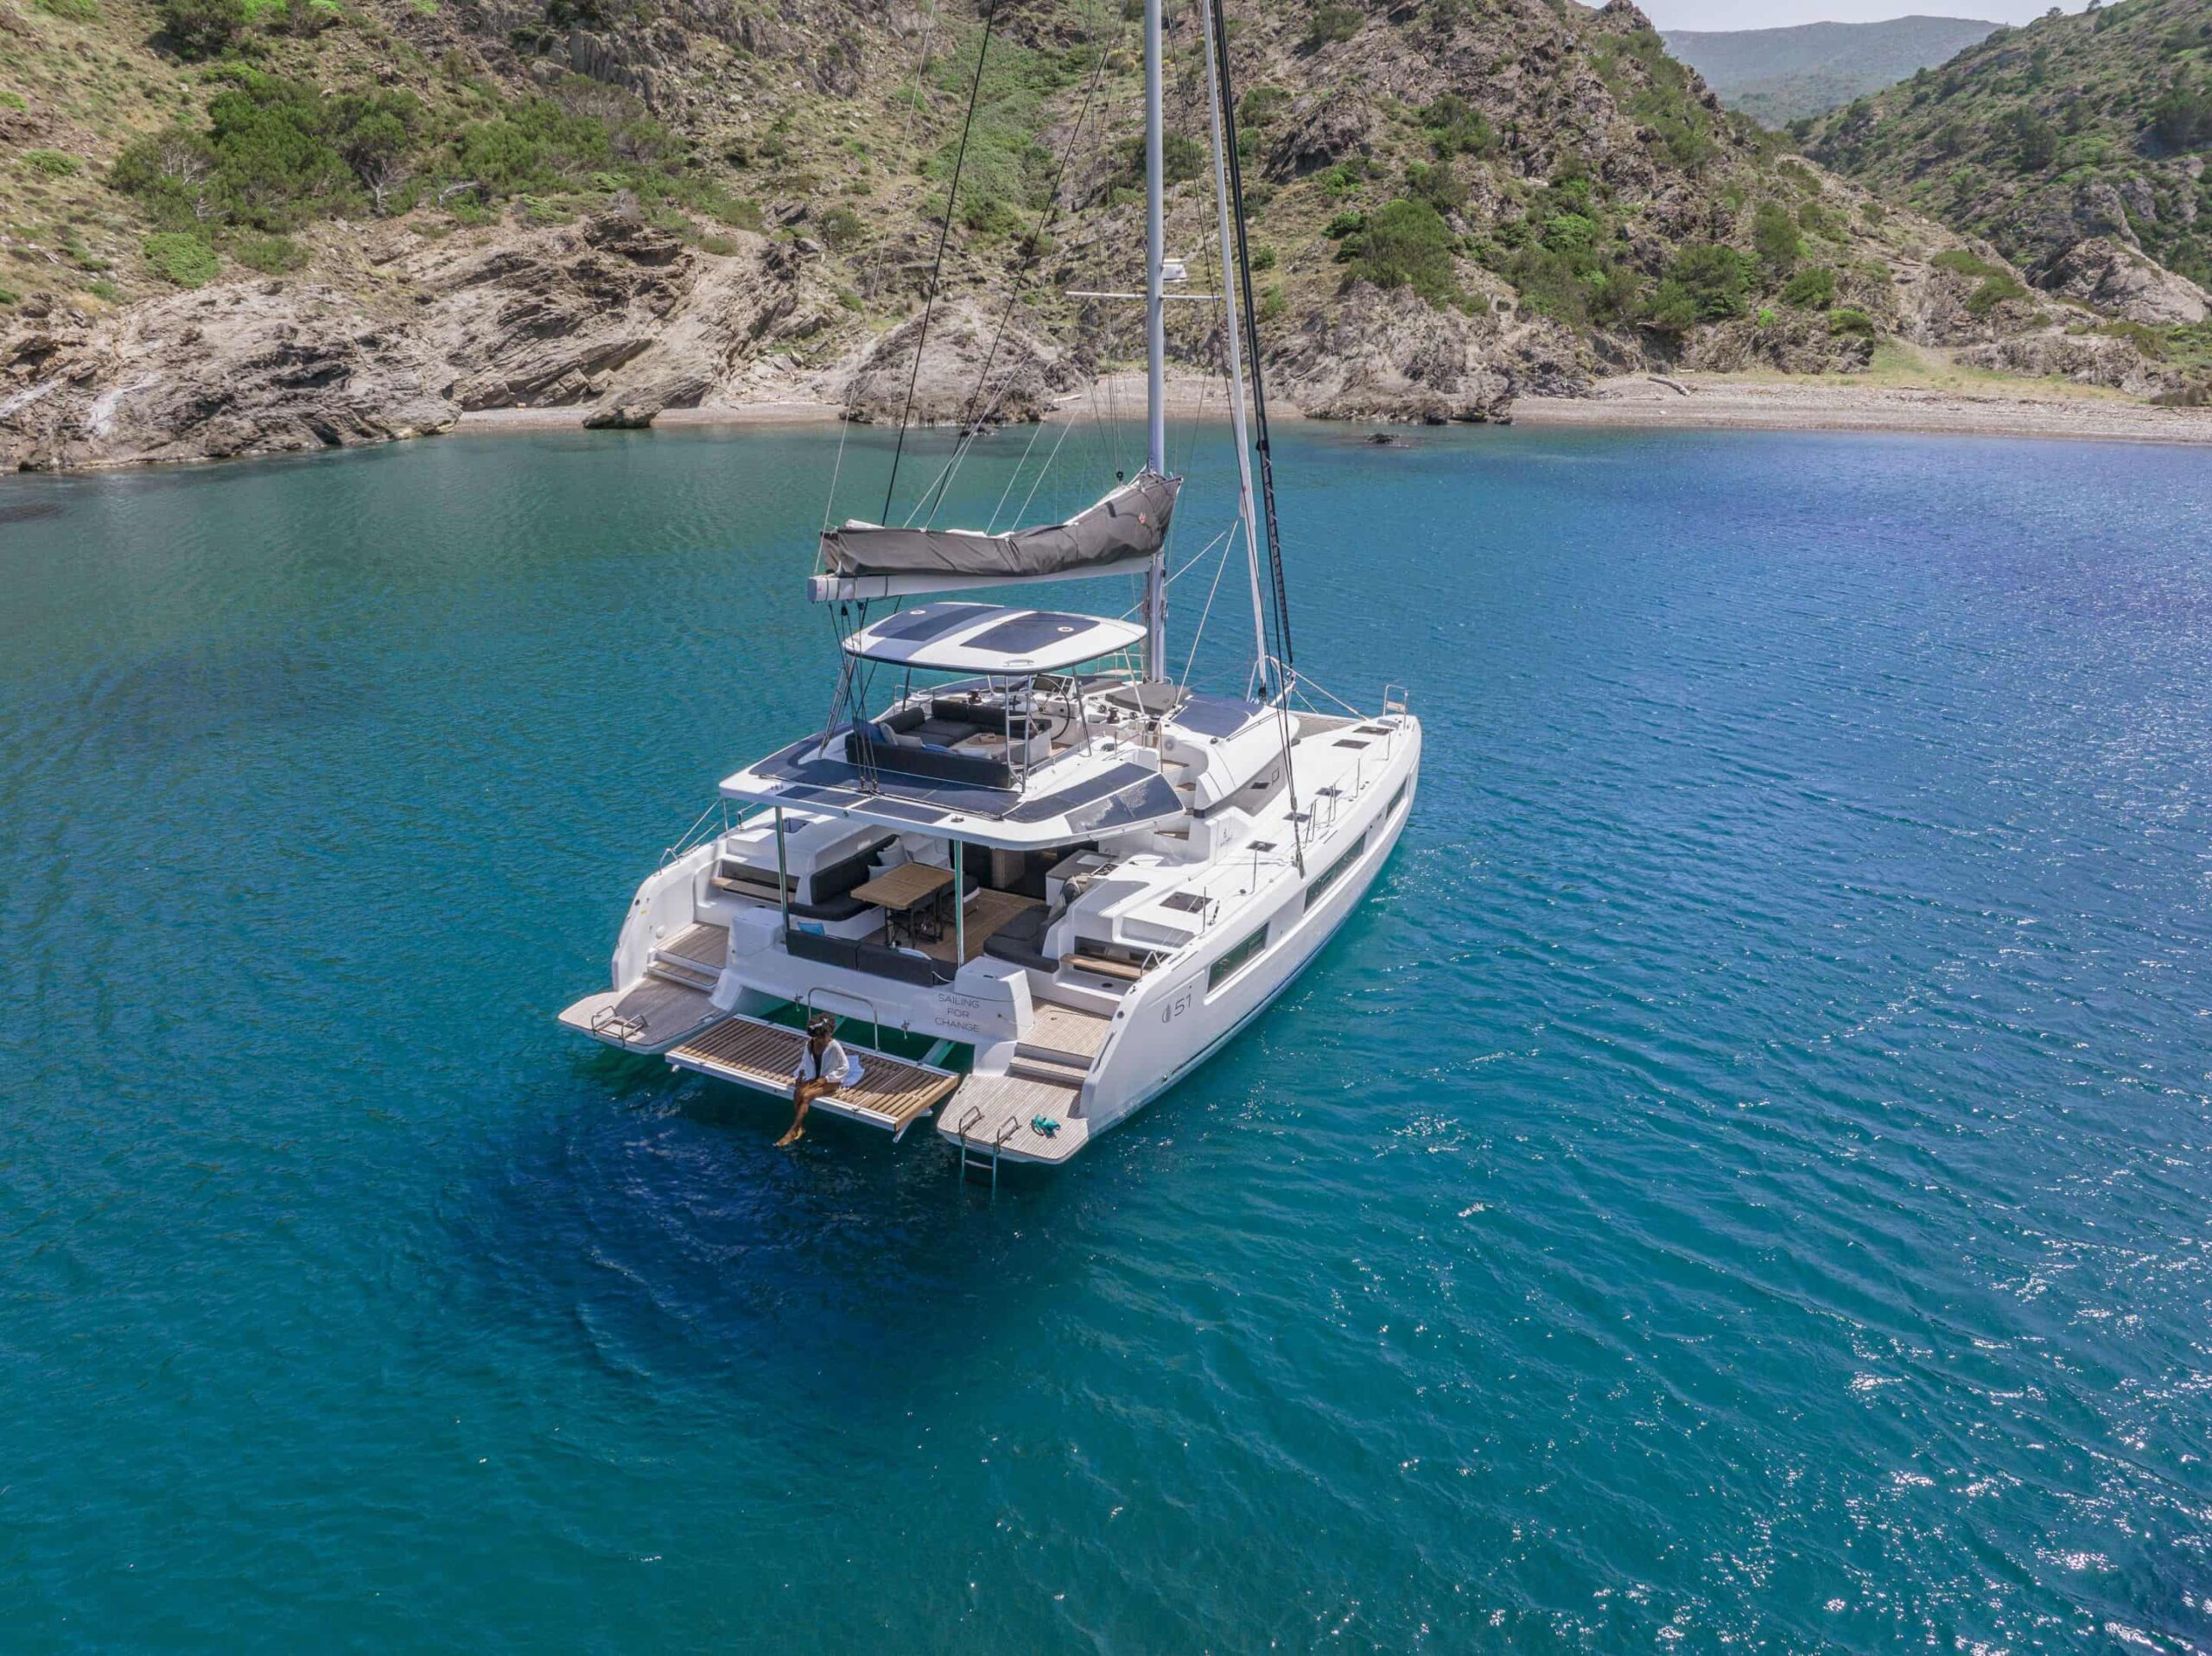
{"x": 989, "y": 639}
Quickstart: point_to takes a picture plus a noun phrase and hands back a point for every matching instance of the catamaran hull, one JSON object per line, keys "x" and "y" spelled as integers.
{"x": 1172, "y": 1022}
{"x": 1029, "y": 1102}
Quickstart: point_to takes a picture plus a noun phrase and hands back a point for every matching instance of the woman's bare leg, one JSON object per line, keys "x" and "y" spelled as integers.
{"x": 807, "y": 1093}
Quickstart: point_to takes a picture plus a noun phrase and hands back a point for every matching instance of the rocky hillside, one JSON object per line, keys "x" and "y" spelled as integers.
{"x": 241, "y": 226}
{"x": 2077, "y": 146}
{"x": 1779, "y": 75}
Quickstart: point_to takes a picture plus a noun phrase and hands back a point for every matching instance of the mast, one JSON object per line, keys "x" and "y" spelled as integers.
{"x": 1245, "y": 510}
{"x": 1155, "y": 336}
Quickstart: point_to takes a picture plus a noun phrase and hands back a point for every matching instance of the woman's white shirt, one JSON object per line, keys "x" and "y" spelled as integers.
{"x": 837, "y": 1065}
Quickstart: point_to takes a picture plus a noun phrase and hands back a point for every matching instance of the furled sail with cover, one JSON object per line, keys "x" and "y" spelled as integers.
{"x": 1130, "y": 523}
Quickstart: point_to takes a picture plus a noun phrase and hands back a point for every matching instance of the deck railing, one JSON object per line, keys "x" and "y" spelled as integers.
{"x": 712, "y": 823}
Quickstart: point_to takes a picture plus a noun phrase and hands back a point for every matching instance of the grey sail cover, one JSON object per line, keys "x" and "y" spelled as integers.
{"x": 1130, "y": 522}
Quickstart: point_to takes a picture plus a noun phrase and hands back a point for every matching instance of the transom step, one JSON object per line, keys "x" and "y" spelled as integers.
{"x": 694, "y": 956}
{"x": 1064, "y": 1035}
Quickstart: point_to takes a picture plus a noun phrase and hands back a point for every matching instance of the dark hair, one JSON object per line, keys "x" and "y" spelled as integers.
{"x": 822, "y": 1024}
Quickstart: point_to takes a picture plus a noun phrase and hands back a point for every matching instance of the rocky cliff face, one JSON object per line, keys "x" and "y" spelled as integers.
{"x": 261, "y": 369}
{"x": 588, "y": 204}
{"x": 609, "y": 312}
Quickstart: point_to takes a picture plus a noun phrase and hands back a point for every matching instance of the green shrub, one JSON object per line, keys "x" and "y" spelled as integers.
{"x": 180, "y": 257}
{"x": 1344, "y": 225}
{"x": 1454, "y": 128}
{"x": 1405, "y": 244}
{"x": 538, "y": 212}
{"x": 1663, "y": 101}
{"x": 1577, "y": 289}
{"x": 1263, "y": 258}
{"x": 10, "y": 296}
{"x": 1961, "y": 262}
{"x": 1773, "y": 235}
{"x": 2033, "y": 141}
{"x": 2000, "y": 289}
{"x": 1342, "y": 179}
{"x": 1704, "y": 283}
{"x": 1570, "y": 233}
{"x": 1333, "y": 22}
{"x": 202, "y": 28}
{"x": 270, "y": 255}
{"x": 1272, "y": 303}
{"x": 54, "y": 163}
{"x": 841, "y": 227}
{"x": 1812, "y": 288}
{"x": 1847, "y": 323}
{"x": 738, "y": 212}
{"x": 2181, "y": 118}
{"x": 2151, "y": 341}
{"x": 1440, "y": 186}
{"x": 12, "y": 100}
{"x": 1182, "y": 158}
{"x": 1262, "y": 104}
{"x": 77, "y": 11}
{"x": 276, "y": 154}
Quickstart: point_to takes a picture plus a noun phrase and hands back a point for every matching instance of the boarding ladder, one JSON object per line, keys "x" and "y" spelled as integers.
{"x": 980, "y": 1158}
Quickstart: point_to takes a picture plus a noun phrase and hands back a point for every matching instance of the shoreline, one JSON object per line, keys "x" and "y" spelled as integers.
{"x": 1632, "y": 402}
{"x": 1716, "y": 402}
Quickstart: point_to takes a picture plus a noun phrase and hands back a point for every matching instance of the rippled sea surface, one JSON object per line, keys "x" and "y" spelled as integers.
{"x": 1742, "y": 1180}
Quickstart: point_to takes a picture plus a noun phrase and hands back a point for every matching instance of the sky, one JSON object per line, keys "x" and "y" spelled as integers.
{"x": 1779, "y": 14}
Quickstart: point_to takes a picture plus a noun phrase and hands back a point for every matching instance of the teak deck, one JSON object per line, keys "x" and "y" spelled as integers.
{"x": 998, "y": 1109}
{"x": 892, "y": 1093}
{"x": 650, "y": 1016}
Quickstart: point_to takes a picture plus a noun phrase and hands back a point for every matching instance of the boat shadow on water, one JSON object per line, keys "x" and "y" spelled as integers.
{"x": 641, "y": 1218}
{"x": 642, "y": 1221}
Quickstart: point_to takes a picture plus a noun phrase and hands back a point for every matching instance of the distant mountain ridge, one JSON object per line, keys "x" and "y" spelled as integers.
{"x": 2075, "y": 128}
{"x": 1779, "y": 75}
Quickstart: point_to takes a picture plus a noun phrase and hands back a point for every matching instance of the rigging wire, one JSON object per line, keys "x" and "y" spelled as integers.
{"x": 1251, "y": 335}
{"x": 970, "y": 423}
{"x": 882, "y": 256}
{"x": 943, "y": 235}
{"x": 1221, "y": 565}
{"x": 1044, "y": 470}
{"x": 1036, "y": 430}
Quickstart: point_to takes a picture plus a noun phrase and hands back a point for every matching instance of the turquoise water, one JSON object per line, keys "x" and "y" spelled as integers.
{"x": 1742, "y": 1180}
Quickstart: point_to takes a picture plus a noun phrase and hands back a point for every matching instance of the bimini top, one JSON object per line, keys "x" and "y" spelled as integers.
{"x": 1128, "y": 524}
{"x": 989, "y": 639}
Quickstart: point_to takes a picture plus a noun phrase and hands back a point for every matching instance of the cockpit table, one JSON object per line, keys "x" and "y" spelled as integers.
{"x": 910, "y": 894}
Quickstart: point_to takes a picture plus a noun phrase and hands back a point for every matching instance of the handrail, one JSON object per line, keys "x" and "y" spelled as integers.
{"x": 692, "y": 838}
{"x": 807, "y": 1001}
{"x": 626, "y": 1026}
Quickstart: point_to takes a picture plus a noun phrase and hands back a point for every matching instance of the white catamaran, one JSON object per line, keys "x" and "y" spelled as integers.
{"x": 1039, "y": 883}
